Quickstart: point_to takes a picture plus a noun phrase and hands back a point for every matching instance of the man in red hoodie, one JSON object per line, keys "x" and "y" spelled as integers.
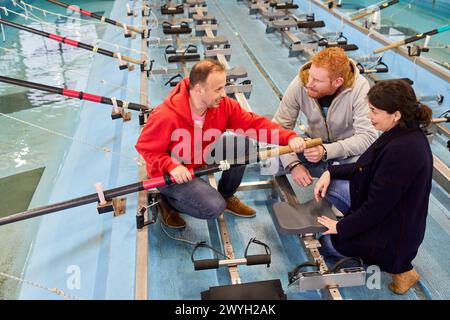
{"x": 193, "y": 116}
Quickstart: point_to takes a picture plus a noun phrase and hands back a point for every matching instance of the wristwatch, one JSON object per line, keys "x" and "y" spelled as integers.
{"x": 325, "y": 154}
{"x": 292, "y": 165}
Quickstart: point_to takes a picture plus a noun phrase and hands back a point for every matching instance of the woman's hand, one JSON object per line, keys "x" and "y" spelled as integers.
{"x": 320, "y": 190}
{"x": 329, "y": 223}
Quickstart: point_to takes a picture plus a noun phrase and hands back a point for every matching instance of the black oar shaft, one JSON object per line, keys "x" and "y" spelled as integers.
{"x": 73, "y": 93}
{"x": 142, "y": 185}
{"x": 373, "y": 10}
{"x": 31, "y": 85}
{"x": 93, "y": 15}
{"x": 70, "y": 42}
{"x": 414, "y": 38}
{"x": 109, "y": 194}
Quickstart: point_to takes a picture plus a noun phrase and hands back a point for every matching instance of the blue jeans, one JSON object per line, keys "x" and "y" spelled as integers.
{"x": 332, "y": 256}
{"x": 198, "y": 199}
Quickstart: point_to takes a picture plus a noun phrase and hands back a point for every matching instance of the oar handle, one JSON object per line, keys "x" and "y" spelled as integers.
{"x": 129, "y": 59}
{"x": 362, "y": 15}
{"x": 440, "y": 120}
{"x": 135, "y": 29}
{"x": 287, "y": 149}
{"x": 132, "y": 28}
{"x": 391, "y": 46}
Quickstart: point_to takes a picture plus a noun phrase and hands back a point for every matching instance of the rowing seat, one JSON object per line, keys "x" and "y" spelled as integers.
{"x": 195, "y": 2}
{"x": 200, "y": 17}
{"x": 236, "y": 73}
{"x": 209, "y": 41}
{"x": 301, "y": 218}
{"x": 284, "y": 24}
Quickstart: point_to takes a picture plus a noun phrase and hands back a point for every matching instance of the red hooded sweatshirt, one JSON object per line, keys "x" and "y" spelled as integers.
{"x": 170, "y": 127}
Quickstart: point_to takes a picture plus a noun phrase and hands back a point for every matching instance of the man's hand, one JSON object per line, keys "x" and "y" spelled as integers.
{"x": 314, "y": 154}
{"x": 181, "y": 174}
{"x": 297, "y": 144}
{"x": 301, "y": 176}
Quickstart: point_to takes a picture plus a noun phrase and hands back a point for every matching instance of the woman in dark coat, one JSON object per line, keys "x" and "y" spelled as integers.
{"x": 389, "y": 187}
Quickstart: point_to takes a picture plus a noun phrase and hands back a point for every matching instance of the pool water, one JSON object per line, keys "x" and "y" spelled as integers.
{"x": 35, "y": 126}
{"x": 410, "y": 17}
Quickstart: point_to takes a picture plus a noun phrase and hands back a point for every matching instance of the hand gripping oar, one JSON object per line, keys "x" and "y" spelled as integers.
{"x": 96, "y": 16}
{"x": 414, "y": 38}
{"x": 72, "y": 42}
{"x": 144, "y": 185}
{"x": 373, "y": 10}
{"x": 73, "y": 94}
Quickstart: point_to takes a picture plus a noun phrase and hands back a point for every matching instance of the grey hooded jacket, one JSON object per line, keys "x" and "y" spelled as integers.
{"x": 347, "y": 131}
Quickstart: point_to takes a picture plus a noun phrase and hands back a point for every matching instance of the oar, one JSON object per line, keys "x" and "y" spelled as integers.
{"x": 372, "y": 10}
{"x": 144, "y": 185}
{"x": 95, "y": 16}
{"x": 73, "y": 94}
{"x": 71, "y": 42}
{"x": 414, "y": 38}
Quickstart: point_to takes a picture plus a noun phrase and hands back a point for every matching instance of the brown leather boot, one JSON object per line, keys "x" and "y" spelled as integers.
{"x": 169, "y": 216}
{"x": 238, "y": 208}
{"x": 402, "y": 282}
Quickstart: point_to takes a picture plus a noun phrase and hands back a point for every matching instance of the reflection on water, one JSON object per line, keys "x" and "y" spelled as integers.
{"x": 411, "y": 17}
{"x": 24, "y": 147}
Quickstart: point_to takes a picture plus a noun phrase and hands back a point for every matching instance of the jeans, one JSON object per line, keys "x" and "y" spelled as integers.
{"x": 332, "y": 256}
{"x": 198, "y": 199}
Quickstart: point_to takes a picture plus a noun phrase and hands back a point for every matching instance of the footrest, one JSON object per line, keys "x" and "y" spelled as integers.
{"x": 301, "y": 218}
{"x": 261, "y": 290}
{"x": 346, "y": 47}
{"x": 184, "y": 58}
{"x": 284, "y": 6}
{"x": 310, "y": 24}
{"x": 207, "y": 41}
{"x": 172, "y": 10}
{"x": 177, "y": 31}
{"x": 182, "y": 28}
{"x": 347, "y": 277}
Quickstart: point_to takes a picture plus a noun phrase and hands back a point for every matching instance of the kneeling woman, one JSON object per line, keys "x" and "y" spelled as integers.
{"x": 389, "y": 187}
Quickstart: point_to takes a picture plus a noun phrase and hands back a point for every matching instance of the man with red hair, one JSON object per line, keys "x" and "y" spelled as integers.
{"x": 332, "y": 95}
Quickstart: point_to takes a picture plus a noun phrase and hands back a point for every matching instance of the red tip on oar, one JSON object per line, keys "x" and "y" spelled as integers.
{"x": 160, "y": 181}
{"x": 153, "y": 183}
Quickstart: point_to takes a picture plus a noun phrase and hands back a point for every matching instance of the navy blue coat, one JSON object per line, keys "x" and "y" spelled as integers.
{"x": 390, "y": 186}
